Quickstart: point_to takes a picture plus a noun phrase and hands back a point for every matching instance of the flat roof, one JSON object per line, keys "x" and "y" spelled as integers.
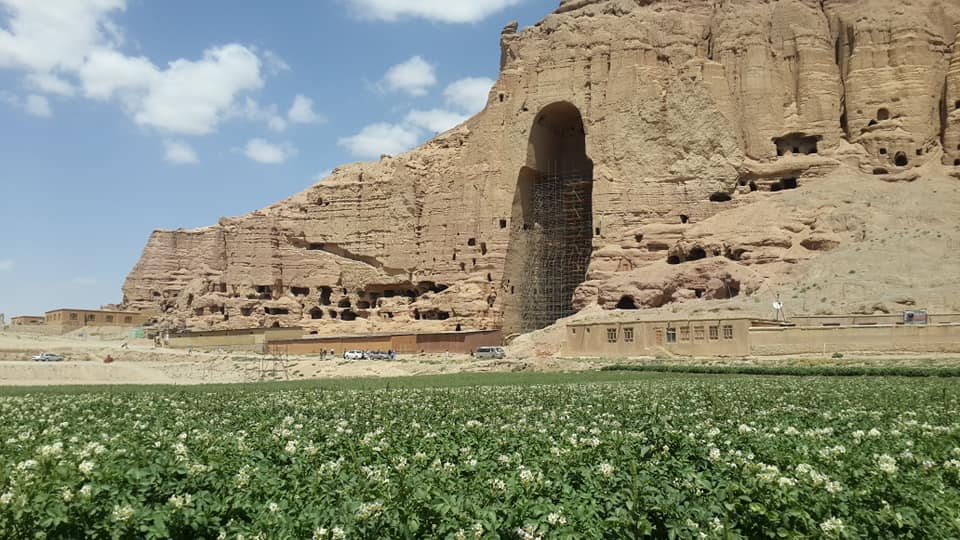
{"x": 383, "y": 335}
{"x": 233, "y": 332}
{"x": 98, "y": 311}
{"x": 27, "y": 317}
{"x": 656, "y": 319}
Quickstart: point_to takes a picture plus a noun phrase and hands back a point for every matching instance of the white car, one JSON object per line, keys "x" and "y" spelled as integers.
{"x": 353, "y": 355}
{"x": 48, "y": 357}
{"x": 490, "y": 352}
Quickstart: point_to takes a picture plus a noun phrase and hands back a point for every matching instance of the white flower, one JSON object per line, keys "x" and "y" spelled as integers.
{"x": 85, "y": 467}
{"x": 606, "y": 469}
{"x": 27, "y": 465}
{"x": 887, "y": 464}
{"x": 320, "y": 533}
{"x": 745, "y": 429}
{"x": 369, "y": 510}
{"x": 51, "y": 450}
{"x": 832, "y": 527}
{"x": 86, "y": 491}
{"x": 556, "y": 518}
{"x": 122, "y": 513}
{"x": 6, "y": 498}
{"x": 291, "y": 447}
{"x": 498, "y": 484}
{"x": 273, "y": 507}
{"x": 179, "y": 501}
{"x": 785, "y": 481}
{"x": 874, "y": 433}
{"x": 66, "y": 495}
{"x": 714, "y": 454}
{"x": 833, "y": 486}
{"x": 337, "y": 533}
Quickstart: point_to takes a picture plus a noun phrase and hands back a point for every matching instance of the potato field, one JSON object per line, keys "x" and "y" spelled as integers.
{"x": 662, "y": 456}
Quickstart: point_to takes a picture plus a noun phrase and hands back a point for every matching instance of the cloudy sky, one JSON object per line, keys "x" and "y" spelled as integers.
{"x": 118, "y": 117}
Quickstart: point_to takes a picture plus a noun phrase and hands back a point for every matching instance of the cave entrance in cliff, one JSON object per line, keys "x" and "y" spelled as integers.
{"x": 552, "y": 235}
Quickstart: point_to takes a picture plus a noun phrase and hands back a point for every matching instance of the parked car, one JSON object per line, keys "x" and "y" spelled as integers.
{"x": 490, "y": 352}
{"x": 48, "y": 357}
{"x": 353, "y": 355}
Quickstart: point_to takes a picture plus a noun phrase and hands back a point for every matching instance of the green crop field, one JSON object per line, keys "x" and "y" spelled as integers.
{"x": 598, "y": 455}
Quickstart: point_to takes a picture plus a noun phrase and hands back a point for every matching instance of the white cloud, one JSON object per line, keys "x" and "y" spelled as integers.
{"x": 44, "y": 36}
{"x": 451, "y": 11}
{"x": 301, "y": 112}
{"x": 192, "y": 97}
{"x": 469, "y": 95}
{"x": 6, "y": 265}
{"x": 383, "y": 138}
{"x": 50, "y": 83}
{"x": 32, "y": 104}
{"x": 414, "y": 77}
{"x": 274, "y": 64}
{"x": 57, "y": 42}
{"x": 434, "y": 120}
{"x": 179, "y": 153}
{"x": 254, "y": 112}
{"x": 262, "y": 151}
{"x": 38, "y": 106}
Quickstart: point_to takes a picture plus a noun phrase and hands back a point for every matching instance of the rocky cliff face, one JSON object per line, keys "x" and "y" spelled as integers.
{"x": 618, "y": 129}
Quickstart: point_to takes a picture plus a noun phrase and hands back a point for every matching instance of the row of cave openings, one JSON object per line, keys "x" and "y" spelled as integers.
{"x": 342, "y": 308}
{"x": 803, "y": 144}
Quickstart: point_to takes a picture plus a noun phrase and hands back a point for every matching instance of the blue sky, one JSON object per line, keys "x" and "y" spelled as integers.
{"x": 118, "y": 117}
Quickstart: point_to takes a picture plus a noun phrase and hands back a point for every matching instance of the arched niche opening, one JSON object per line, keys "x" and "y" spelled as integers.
{"x": 550, "y": 250}
{"x": 626, "y": 302}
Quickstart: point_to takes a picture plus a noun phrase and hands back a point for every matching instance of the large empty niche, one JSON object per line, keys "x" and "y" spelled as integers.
{"x": 626, "y": 302}
{"x": 796, "y": 143}
{"x": 549, "y": 252}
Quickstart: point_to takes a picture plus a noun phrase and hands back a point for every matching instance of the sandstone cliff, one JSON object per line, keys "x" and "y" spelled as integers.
{"x": 709, "y": 142}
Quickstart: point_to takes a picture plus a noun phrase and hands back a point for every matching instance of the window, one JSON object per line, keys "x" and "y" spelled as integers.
{"x": 628, "y": 335}
{"x": 109, "y": 318}
{"x": 714, "y": 333}
{"x": 91, "y": 317}
{"x": 73, "y": 316}
{"x": 611, "y": 335}
{"x": 671, "y": 335}
{"x": 698, "y": 333}
{"x": 658, "y": 336}
{"x": 685, "y": 334}
{"x": 128, "y": 319}
{"x": 727, "y": 332}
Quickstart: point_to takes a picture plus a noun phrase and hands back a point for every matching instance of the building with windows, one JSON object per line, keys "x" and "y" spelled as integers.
{"x": 638, "y": 335}
{"x": 686, "y": 337}
{"x": 67, "y": 320}
{"x": 26, "y": 320}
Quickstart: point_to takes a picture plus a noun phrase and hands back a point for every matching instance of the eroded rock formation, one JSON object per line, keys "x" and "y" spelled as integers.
{"x": 643, "y": 121}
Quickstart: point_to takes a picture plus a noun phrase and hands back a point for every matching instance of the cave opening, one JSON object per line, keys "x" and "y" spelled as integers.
{"x": 626, "y": 302}
{"x": 696, "y": 254}
{"x": 316, "y": 313}
{"x": 720, "y": 197}
{"x": 883, "y": 114}
{"x": 548, "y": 254}
{"x": 900, "y": 160}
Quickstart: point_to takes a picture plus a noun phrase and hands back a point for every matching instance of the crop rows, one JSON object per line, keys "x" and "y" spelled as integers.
{"x": 672, "y": 456}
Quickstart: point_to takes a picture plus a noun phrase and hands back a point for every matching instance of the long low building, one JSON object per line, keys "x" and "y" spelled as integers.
{"x": 248, "y": 339}
{"x": 66, "y": 320}
{"x": 437, "y": 343}
{"x": 26, "y": 320}
{"x": 644, "y": 335}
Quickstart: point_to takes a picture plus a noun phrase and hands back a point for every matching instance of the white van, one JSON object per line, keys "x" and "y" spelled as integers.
{"x": 490, "y": 352}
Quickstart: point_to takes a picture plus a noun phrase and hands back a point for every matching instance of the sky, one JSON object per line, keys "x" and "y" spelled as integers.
{"x": 119, "y": 117}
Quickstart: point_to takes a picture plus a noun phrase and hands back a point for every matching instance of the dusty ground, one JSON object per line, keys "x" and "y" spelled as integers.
{"x": 141, "y": 363}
